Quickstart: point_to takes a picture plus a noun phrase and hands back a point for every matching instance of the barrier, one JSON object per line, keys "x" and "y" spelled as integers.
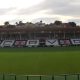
{"x": 9, "y": 77}
{"x": 33, "y": 77}
{"x": 75, "y": 41}
{"x": 72, "y": 77}
{"x": 20, "y": 77}
{"x": 36, "y": 43}
{"x": 46, "y": 77}
{"x": 20, "y": 43}
{"x": 31, "y": 43}
{"x": 1, "y": 77}
{"x": 42, "y": 42}
{"x": 59, "y": 77}
{"x": 0, "y": 41}
{"x": 39, "y": 77}
{"x": 53, "y": 42}
{"x": 7, "y": 43}
{"x": 64, "y": 42}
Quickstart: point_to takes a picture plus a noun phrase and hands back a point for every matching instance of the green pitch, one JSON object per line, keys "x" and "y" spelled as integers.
{"x": 36, "y": 61}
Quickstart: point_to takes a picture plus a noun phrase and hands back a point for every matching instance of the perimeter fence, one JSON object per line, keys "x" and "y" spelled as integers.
{"x": 39, "y": 77}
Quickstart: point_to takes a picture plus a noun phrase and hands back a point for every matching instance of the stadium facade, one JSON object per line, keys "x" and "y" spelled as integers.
{"x": 39, "y": 34}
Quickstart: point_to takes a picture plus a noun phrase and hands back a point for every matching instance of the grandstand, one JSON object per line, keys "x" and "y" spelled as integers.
{"x": 39, "y": 34}
{"x": 47, "y": 66}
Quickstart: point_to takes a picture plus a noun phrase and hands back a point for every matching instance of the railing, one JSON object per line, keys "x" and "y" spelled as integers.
{"x": 39, "y": 77}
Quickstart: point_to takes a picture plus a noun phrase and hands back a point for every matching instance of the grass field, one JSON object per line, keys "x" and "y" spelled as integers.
{"x": 40, "y": 61}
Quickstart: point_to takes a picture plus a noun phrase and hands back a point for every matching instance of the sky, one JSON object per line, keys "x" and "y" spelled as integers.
{"x": 35, "y": 10}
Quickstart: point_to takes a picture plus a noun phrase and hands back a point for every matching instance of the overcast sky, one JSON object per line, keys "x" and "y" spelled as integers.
{"x": 36, "y": 10}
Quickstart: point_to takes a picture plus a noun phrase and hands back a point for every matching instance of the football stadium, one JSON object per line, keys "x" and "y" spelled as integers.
{"x": 39, "y": 51}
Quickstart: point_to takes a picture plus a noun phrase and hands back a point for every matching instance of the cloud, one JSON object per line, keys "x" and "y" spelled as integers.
{"x": 46, "y": 20}
{"x": 54, "y": 7}
{"x": 4, "y": 11}
{"x": 30, "y": 10}
{"x": 65, "y": 9}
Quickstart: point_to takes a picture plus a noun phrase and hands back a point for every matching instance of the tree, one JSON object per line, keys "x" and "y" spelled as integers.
{"x": 6, "y": 23}
{"x": 16, "y": 23}
{"x": 73, "y": 24}
{"x": 21, "y": 23}
{"x": 58, "y": 22}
